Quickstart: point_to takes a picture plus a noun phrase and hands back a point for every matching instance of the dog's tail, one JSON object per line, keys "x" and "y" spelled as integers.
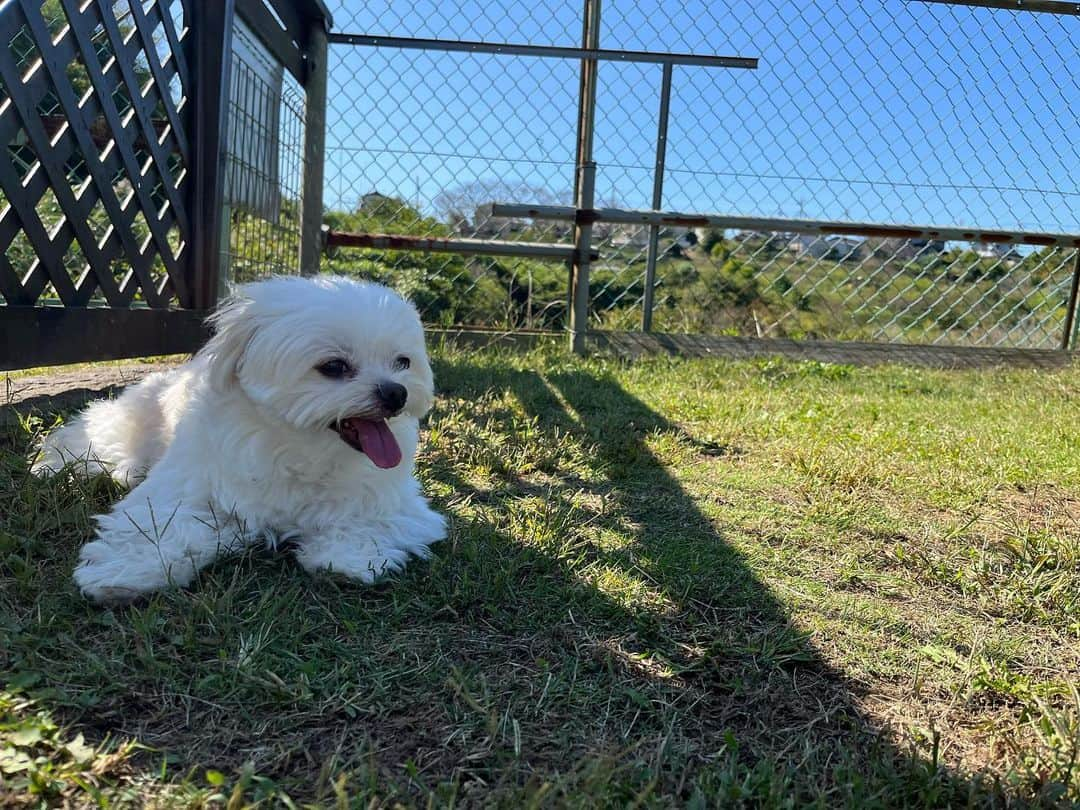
{"x": 71, "y": 444}
{"x": 102, "y": 439}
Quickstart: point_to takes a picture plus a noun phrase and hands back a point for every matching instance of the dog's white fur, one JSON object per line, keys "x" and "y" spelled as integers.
{"x": 236, "y": 444}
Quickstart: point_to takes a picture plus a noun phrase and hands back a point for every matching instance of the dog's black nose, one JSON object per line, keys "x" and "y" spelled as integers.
{"x": 391, "y": 396}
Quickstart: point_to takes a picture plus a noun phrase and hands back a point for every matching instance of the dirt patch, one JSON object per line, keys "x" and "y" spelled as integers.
{"x": 1045, "y": 507}
{"x": 67, "y": 389}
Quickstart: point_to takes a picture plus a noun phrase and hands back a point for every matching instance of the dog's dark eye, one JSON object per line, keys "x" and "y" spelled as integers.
{"x": 402, "y": 363}
{"x": 334, "y": 369}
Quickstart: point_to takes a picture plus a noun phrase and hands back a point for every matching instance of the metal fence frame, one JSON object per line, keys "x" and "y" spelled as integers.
{"x": 583, "y": 215}
{"x": 656, "y": 219}
{"x": 581, "y": 253}
{"x": 172, "y": 320}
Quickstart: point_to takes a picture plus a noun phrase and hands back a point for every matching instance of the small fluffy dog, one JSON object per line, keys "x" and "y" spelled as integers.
{"x": 298, "y": 420}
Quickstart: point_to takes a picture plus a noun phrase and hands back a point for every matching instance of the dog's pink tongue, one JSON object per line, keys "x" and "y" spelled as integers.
{"x": 378, "y": 442}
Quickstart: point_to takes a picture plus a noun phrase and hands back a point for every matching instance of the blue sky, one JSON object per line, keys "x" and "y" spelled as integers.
{"x": 896, "y": 111}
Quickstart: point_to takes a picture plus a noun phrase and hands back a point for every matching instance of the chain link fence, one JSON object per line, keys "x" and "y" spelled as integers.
{"x": 402, "y": 158}
{"x": 263, "y": 163}
{"x": 896, "y": 113}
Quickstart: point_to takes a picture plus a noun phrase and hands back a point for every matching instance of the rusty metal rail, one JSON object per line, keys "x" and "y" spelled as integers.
{"x": 466, "y": 247}
{"x": 566, "y": 213}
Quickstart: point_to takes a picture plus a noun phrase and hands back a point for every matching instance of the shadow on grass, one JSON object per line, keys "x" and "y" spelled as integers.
{"x": 742, "y": 706}
{"x": 540, "y": 656}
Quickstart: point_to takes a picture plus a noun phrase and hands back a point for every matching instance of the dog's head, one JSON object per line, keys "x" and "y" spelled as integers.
{"x": 324, "y": 353}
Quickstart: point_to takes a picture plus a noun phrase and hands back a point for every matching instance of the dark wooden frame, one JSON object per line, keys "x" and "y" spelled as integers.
{"x": 165, "y": 145}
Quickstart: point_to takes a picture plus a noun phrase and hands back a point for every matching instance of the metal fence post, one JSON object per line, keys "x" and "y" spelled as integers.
{"x": 209, "y": 53}
{"x": 1068, "y": 334}
{"x": 657, "y": 199}
{"x": 314, "y": 149}
{"x": 584, "y": 181}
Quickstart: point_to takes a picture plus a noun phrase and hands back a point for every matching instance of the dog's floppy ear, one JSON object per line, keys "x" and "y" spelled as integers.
{"x": 234, "y": 327}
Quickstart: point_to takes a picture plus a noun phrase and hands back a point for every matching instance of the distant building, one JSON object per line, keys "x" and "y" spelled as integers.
{"x": 753, "y": 236}
{"x": 1002, "y": 251}
{"x": 904, "y": 249}
{"x": 757, "y": 240}
{"x": 374, "y": 202}
{"x": 637, "y": 236}
{"x": 925, "y": 246}
{"x": 630, "y": 236}
{"x": 485, "y": 225}
{"x": 826, "y": 247}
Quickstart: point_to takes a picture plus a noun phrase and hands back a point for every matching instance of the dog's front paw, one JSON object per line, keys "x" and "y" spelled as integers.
{"x": 100, "y": 585}
{"x": 362, "y": 560}
{"x": 120, "y": 573}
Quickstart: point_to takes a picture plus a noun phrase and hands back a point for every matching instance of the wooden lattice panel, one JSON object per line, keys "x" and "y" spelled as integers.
{"x": 93, "y": 152}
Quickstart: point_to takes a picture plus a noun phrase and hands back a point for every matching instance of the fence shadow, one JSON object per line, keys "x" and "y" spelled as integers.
{"x": 737, "y": 676}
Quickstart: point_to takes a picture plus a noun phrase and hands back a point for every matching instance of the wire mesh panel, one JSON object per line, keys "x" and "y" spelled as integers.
{"x": 419, "y": 142}
{"x": 899, "y": 113}
{"x": 519, "y": 21}
{"x": 880, "y": 111}
{"x": 786, "y": 285}
{"x": 92, "y": 106}
{"x": 263, "y": 163}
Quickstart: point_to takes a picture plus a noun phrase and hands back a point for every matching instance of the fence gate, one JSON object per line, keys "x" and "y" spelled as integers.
{"x": 122, "y": 122}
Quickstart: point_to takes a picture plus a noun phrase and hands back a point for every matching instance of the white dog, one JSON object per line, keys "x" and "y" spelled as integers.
{"x": 299, "y": 419}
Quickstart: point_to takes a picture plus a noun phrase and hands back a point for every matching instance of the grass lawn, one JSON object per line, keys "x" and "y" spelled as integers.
{"x": 694, "y": 583}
